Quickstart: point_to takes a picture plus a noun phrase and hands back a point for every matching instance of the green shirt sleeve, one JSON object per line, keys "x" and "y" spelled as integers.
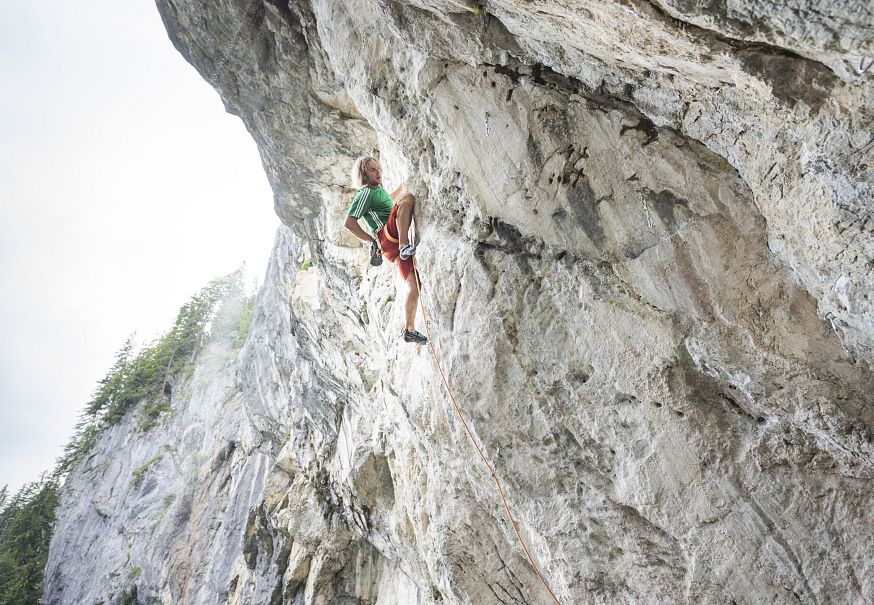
{"x": 362, "y": 202}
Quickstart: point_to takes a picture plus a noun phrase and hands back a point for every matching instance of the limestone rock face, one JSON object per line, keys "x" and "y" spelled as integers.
{"x": 647, "y": 257}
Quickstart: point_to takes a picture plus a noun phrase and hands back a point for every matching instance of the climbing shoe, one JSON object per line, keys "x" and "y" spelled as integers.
{"x": 375, "y": 254}
{"x": 407, "y": 251}
{"x": 416, "y": 337}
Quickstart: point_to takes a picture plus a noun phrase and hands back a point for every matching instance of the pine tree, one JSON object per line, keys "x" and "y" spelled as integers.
{"x": 112, "y": 385}
{"x": 25, "y": 532}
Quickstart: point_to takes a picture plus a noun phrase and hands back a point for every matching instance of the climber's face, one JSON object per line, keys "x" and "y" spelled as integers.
{"x": 373, "y": 174}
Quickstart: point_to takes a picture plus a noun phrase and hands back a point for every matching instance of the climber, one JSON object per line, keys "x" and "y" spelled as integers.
{"x": 389, "y": 217}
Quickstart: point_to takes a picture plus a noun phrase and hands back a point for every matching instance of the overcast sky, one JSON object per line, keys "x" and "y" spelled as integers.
{"x": 124, "y": 188}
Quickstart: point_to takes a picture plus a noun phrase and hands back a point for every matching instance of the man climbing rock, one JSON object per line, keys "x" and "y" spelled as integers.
{"x": 389, "y": 217}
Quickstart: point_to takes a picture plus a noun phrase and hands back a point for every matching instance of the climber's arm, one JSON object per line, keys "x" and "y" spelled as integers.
{"x": 352, "y": 225}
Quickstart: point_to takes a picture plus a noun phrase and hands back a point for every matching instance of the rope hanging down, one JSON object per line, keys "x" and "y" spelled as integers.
{"x": 473, "y": 440}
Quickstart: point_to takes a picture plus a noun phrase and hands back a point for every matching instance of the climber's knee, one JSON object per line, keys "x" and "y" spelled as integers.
{"x": 408, "y": 200}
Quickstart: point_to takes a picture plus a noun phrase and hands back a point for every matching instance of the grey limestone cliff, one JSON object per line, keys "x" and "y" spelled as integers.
{"x": 647, "y": 253}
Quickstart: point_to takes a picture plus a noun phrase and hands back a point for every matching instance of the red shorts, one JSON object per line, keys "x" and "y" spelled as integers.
{"x": 388, "y": 241}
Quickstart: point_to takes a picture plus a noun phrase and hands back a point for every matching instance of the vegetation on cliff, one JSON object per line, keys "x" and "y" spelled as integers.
{"x": 25, "y": 531}
{"x": 138, "y": 380}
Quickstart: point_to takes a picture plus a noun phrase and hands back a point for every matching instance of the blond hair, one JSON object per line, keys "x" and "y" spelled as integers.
{"x": 359, "y": 169}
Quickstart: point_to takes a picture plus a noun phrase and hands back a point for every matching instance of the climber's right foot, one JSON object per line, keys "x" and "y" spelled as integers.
{"x": 414, "y": 336}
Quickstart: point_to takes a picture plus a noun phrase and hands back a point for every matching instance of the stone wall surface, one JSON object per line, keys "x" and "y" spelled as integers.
{"x": 647, "y": 255}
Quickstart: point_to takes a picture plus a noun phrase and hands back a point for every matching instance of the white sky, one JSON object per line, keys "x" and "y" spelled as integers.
{"x": 124, "y": 188}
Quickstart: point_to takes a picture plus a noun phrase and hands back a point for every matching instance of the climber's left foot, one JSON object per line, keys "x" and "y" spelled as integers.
{"x": 407, "y": 251}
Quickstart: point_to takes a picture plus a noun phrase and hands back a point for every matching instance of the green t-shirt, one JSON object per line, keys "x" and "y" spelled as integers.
{"x": 373, "y": 205}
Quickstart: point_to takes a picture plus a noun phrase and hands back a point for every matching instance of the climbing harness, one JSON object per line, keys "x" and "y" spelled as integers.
{"x": 473, "y": 440}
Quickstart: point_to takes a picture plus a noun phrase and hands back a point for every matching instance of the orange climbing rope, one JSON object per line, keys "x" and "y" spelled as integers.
{"x": 474, "y": 441}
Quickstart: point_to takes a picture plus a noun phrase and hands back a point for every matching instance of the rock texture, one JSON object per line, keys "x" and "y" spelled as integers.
{"x": 647, "y": 248}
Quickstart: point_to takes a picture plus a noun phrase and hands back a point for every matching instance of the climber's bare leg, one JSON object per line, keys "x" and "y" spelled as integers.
{"x": 404, "y": 218}
{"x": 412, "y": 300}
